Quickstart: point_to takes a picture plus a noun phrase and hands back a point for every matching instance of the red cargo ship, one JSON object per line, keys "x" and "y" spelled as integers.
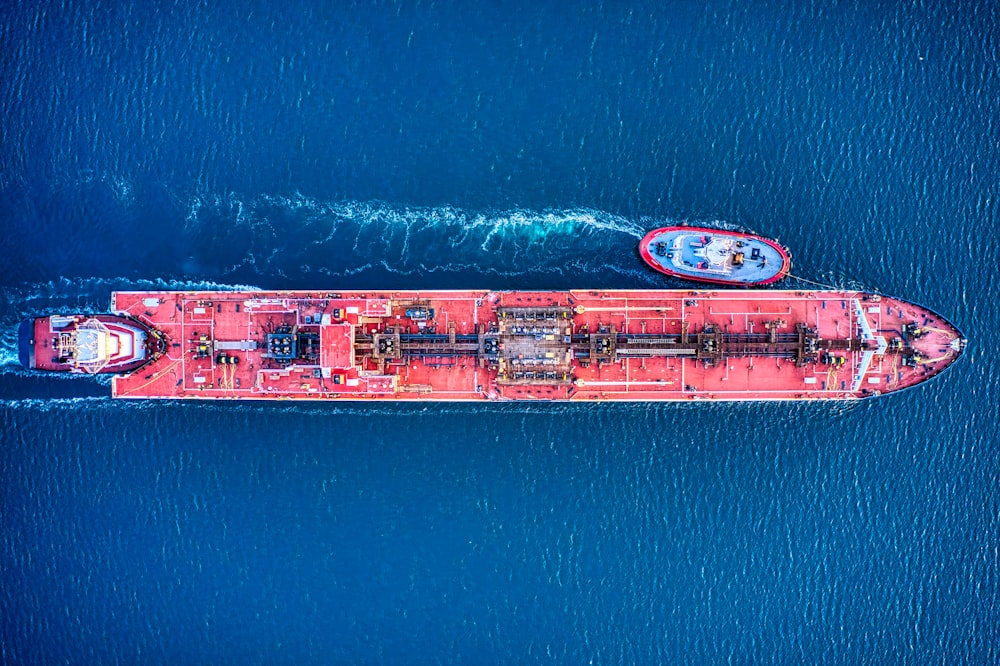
{"x": 643, "y": 345}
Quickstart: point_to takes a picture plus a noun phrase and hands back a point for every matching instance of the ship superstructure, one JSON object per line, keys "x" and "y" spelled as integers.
{"x": 95, "y": 344}
{"x": 586, "y": 345}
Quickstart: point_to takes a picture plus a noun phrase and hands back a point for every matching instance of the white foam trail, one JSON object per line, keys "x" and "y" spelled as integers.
{"x": 295, "y": 236}
{"x": 533, "y": 224}
{"x": 8, "y": 345}
{"x": 61, "y": 404}
{"x": 8, "y": 358}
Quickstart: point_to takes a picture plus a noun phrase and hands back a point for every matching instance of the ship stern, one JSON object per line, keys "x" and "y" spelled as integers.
{"x": 26, "y": 344}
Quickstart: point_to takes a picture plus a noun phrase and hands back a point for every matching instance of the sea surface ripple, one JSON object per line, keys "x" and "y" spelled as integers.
{"x": 441, "y": 144}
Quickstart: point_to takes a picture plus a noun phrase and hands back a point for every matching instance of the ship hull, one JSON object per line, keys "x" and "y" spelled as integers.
{"x": 715, "y": 256}
{"x": 642, "y": 345}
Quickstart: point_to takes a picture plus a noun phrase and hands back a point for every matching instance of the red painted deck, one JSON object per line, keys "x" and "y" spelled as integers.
{"x": 576, "y": 345}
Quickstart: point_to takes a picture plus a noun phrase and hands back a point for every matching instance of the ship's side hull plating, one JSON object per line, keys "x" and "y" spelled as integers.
{"x": 643, "y": 345}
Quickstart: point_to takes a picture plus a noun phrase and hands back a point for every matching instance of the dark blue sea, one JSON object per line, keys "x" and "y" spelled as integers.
{"x": 501, "y": 145}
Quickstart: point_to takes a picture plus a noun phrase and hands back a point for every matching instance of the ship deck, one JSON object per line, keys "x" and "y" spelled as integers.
{"x": 637, "y": 345}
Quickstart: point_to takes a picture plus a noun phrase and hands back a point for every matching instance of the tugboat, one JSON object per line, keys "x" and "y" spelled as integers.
{"x": 97, "y": 344}
{"x": 715, "y": 255}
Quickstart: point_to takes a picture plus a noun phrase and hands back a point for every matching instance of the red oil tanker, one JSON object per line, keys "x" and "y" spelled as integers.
{"x": 580, "y": 345}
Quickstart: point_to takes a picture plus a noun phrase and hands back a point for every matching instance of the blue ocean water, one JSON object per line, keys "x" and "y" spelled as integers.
{"x": 502, "y": 145}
